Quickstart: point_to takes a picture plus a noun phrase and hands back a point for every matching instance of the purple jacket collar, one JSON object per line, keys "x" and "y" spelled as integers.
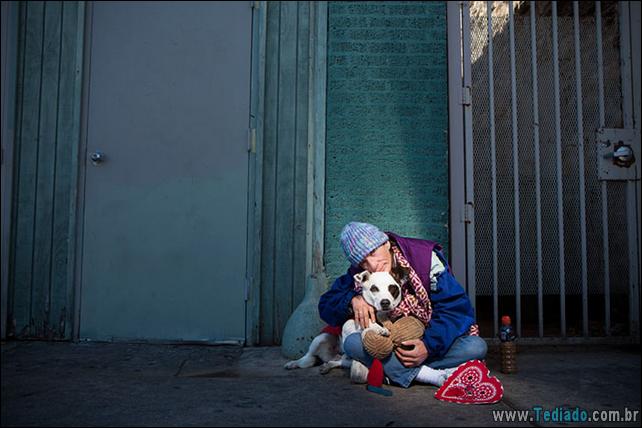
{"x": 418, "y": 252}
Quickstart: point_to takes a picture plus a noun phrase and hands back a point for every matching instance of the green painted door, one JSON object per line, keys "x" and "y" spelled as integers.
{"x": 165, "y": 213}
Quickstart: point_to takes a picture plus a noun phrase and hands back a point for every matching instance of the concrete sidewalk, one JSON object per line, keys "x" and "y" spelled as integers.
{"x": 106, "y": 384}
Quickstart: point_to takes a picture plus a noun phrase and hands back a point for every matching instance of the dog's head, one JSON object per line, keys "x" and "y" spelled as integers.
{"x": 379, "y": 289}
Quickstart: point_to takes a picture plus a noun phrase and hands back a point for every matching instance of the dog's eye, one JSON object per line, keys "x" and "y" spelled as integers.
{"x": 374, "y": 289}
{"x": 394, "y": 290}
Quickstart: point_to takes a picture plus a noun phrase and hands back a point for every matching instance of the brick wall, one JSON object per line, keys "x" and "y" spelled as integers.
{"x": 387, "y": 121}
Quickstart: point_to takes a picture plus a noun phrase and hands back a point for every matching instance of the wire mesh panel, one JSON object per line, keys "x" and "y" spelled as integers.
{"x": 495, "y": 72}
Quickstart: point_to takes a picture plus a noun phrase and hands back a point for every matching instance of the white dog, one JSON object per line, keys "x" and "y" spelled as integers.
{"x": 379, "y": 289}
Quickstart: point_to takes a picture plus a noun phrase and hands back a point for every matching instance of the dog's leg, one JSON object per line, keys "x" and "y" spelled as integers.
{"x": 344, "y": 362}
{"x": 317, "y": 349}
{"x": 302, "y": 363}
{"x": 326, "y": 367}
{"x": 328, "y": 349}
{"x": 349, "y": 327}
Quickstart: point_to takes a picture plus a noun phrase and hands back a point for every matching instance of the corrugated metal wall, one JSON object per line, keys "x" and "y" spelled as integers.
{"x": 285, "y": 166}
{"x": 45, "y": 168}
{"x": 387, "y": 121}
{"x": 48, "y": 114}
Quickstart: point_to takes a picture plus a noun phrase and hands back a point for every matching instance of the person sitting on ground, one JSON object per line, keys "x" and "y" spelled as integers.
{"x": 432, "y": 295}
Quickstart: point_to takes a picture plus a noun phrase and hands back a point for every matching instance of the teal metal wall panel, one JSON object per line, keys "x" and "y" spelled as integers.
{"x": 46, "y": 161}
{"x": 387, "y": 121}
{"x": 285, "y": 155}
{"x": 284, "y": 180}
{"x": 47, "y": 123}
{"x": 266, "y": 281}
{"x": 301, "y": 156}
{"x": 28, "y": 101}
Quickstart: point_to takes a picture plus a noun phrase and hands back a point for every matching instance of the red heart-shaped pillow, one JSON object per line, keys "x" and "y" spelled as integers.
{"x": 471, "y": 384}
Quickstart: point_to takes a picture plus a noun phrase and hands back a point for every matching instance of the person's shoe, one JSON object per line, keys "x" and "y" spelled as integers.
{"x": 358, "y": 372}
{"x": 450, "y": 371}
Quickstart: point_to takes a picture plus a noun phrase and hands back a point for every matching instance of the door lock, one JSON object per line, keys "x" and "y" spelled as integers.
{"x": 97, "y": 158}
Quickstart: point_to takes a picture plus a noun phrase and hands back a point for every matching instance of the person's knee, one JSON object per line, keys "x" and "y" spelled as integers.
{"x": 352, "y": 346}
{"x": 477, "y": 348}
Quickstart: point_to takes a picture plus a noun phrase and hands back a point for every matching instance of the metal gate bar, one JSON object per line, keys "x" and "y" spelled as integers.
{"x": 538, "y": 191}
{"x": 634, "y": 249}
{"x": 580, "y": 148}
{"x": 513, "y": 85}
{"x": 604, "y": 194}
{"x": 493, "y": 162}
{"x": 558, "y": 171}
{"x": 632, "y": 202}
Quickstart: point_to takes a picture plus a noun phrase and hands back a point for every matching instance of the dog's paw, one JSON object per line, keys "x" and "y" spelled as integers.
{"x": 291, "y": 365}
{"x": 325, "y": 368}
{"x": 381, "y": 331}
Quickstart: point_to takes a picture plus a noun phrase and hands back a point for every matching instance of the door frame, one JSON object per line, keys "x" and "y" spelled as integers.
{"x": 9, "y": 75}
{"x": 461, "y": 205}
{"x": 255, "y": 174}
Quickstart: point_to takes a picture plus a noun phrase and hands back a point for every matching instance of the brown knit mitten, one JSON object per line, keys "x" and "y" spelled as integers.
{"x": 376, "y": 345}
{"x": 406, "y": 328}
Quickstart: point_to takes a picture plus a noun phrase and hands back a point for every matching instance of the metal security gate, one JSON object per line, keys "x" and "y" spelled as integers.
{"x": 555, "y": 167}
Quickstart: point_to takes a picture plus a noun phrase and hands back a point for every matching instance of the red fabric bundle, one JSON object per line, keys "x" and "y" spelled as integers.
{"x": 375, "y": 379}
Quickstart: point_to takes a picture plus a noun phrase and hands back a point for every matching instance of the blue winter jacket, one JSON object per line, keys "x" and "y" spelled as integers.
{"x": 452, "y": 313}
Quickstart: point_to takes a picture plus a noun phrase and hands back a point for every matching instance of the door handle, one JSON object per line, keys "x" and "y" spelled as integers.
{"x": 97, "y": 158}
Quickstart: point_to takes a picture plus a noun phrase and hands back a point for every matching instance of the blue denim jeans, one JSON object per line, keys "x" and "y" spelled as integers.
{"x": 464, "y": 348}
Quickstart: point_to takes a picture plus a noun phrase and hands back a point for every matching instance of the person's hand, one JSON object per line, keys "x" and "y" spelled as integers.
{"x": 363, "y": 312}
{"x": 412, "y": 357}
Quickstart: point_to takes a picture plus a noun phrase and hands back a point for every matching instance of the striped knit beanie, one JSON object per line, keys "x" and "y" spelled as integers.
{"x": 359, "y": 239}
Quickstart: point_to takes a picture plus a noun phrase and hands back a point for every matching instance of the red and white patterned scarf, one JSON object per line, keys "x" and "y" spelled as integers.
{"x": 416, "y": 301}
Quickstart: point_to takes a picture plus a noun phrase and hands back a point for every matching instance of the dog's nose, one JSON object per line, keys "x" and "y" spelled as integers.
{"x": 385, "y": 304}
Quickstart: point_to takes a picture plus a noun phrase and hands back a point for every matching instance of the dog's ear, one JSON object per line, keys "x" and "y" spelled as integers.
{"x": 362, "y": 277}
{"x": 400, "y": 274}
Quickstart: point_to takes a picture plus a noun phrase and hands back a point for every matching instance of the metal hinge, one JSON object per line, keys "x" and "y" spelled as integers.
{"x": 469, "y": 212}
{"x": 251, "y": 140}
{"x": 466, "y": 96}
{"x": 255, "y": 5}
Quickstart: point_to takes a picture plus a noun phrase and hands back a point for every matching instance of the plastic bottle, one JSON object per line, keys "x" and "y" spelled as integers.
{"x": 508, "y": 346}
